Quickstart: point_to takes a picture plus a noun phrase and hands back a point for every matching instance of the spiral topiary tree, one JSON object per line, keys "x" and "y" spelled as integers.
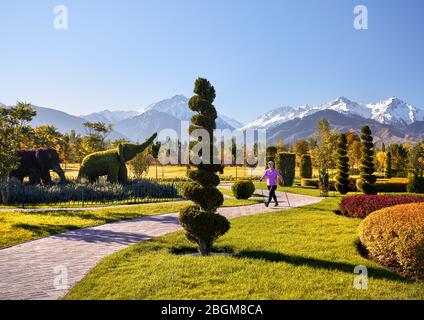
{"x": 342, "y": 184}
{"x": 366, "y": 182}
{"x": 203, "y": 225}
{"x": 305, "y": 166}
{"x": 389, "y": 165}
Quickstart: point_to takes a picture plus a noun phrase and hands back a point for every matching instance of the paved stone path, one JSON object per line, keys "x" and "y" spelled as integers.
{"x": 35, "y": 269}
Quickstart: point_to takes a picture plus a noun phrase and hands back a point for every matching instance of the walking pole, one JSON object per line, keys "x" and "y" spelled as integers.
{"x": 262, "y": 190}
{"x": 287, "y": 198}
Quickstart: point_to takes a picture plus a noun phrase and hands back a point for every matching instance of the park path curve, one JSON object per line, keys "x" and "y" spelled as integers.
{"x": 35, "y": 269}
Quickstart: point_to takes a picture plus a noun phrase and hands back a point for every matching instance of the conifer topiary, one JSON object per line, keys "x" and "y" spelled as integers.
{"x": 286, "y": 163}
{"x": 366, "y": 182}
{"x": 203, "y": 225}
{"x": 389, "y": 165}
{"x": 342, "y": 184}
{"x": 305, "y": 166}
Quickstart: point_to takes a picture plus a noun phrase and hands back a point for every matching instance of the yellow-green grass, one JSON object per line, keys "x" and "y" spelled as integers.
{"x": 20, "y": 226}
{"x": 168, "y": 172}
{"x": 174, "y": 171}
{"x": 300, "y": 253}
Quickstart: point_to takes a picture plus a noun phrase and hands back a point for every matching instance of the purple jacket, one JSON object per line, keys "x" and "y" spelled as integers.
{"x": 272, "y": 175}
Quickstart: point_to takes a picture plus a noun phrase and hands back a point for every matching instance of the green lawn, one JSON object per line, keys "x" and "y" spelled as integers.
{"x": 18, "y": 227}
{"x": 300, "y": 253}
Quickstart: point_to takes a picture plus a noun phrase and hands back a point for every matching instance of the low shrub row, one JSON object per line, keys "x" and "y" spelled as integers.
{"x": 382, "y": 185}
{"x": 392, "y": 185}
{"x": 332, "y": 184}
{"x": 20, "y": 194}
{"x": 360, "y": 206}
{"x": 394, "y": 237}
{"x": 309, "y": 182}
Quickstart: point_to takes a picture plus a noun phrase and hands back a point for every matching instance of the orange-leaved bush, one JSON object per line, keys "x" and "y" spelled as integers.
{"x": 394, "y": 236}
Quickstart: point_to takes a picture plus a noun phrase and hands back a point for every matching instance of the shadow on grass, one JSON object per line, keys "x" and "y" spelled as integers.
{"x": 189, "y": 250}
{"x": 376, "y": 273}
{"x": 45, "y": 229}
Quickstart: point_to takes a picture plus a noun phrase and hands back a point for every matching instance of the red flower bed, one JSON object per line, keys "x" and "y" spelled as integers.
{"x": 360, "y": 206}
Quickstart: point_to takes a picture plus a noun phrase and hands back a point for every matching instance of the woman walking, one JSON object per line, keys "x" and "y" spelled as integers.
{"x": 271, "y": 174}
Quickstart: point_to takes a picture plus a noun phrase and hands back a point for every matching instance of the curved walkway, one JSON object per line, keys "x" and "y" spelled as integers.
{"x": 46, "y": 268}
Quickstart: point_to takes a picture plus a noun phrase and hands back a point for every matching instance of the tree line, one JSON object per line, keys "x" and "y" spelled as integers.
{"x": 17, "y": 133}
{"x": 323, "y": 148}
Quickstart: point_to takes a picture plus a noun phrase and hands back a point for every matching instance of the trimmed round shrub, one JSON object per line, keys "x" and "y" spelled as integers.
{"x": 360, "y": 206}
{"x": 305, "y": 166}
{"x": 243, "y": 189}
{"x": 394, "y": 237}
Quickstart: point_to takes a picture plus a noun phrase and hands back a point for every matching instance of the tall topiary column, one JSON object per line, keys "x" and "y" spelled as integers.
{"x": 203, "y": 225}
{"x": 305, "y": 166}
{"x": 389, "y": 165}
{"x": 366, "y": 182}
{"x": 342, "y": 184}
{"x": 286, "y": 163}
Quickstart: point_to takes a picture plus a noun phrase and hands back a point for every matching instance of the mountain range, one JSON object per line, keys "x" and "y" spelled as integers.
{"x": 391, "y": 120}
{"x": 392, "y": 111}
{"x": 131, "y": 125}
{"x": 165, "y": 114}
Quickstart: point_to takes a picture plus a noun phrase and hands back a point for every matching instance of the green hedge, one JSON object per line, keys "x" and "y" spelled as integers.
{"x": 305, "y": 166}
{"x": 387, "y": 186}
{"x": 309, "y": 182}
{"x": 286, "y": 163}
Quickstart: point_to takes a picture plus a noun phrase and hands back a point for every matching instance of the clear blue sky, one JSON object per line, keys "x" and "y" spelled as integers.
{"x": 258, "y": 54}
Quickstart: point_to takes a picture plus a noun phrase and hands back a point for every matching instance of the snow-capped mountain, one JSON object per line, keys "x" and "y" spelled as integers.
{"x": 302, "y": 128}
{"x": 273, "y": 117}
{"x": 108, "y": 116}
{"x": 395, "y": 111}
{"x": 165, "y": 114}
{"x": 177, "y": 106}
{"x": 232, "y": 122}
{"x": 142, "y": 126}
{"x": 391, "y": 111}
{"x": 132, "y": 125}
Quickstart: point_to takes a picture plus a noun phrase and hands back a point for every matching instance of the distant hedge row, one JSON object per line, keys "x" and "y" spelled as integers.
{"x": 20, "y": 193}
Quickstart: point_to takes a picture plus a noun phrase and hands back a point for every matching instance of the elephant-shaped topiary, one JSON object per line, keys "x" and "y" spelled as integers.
{"x": 111, "y": 163}
{"x": 36, "y": 164}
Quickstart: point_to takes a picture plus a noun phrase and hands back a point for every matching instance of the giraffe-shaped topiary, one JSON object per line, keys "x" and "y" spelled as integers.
{"x": 203, "y": 225}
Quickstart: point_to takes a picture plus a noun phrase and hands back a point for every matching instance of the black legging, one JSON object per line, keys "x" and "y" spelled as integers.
{"x": 272, "y": 194}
